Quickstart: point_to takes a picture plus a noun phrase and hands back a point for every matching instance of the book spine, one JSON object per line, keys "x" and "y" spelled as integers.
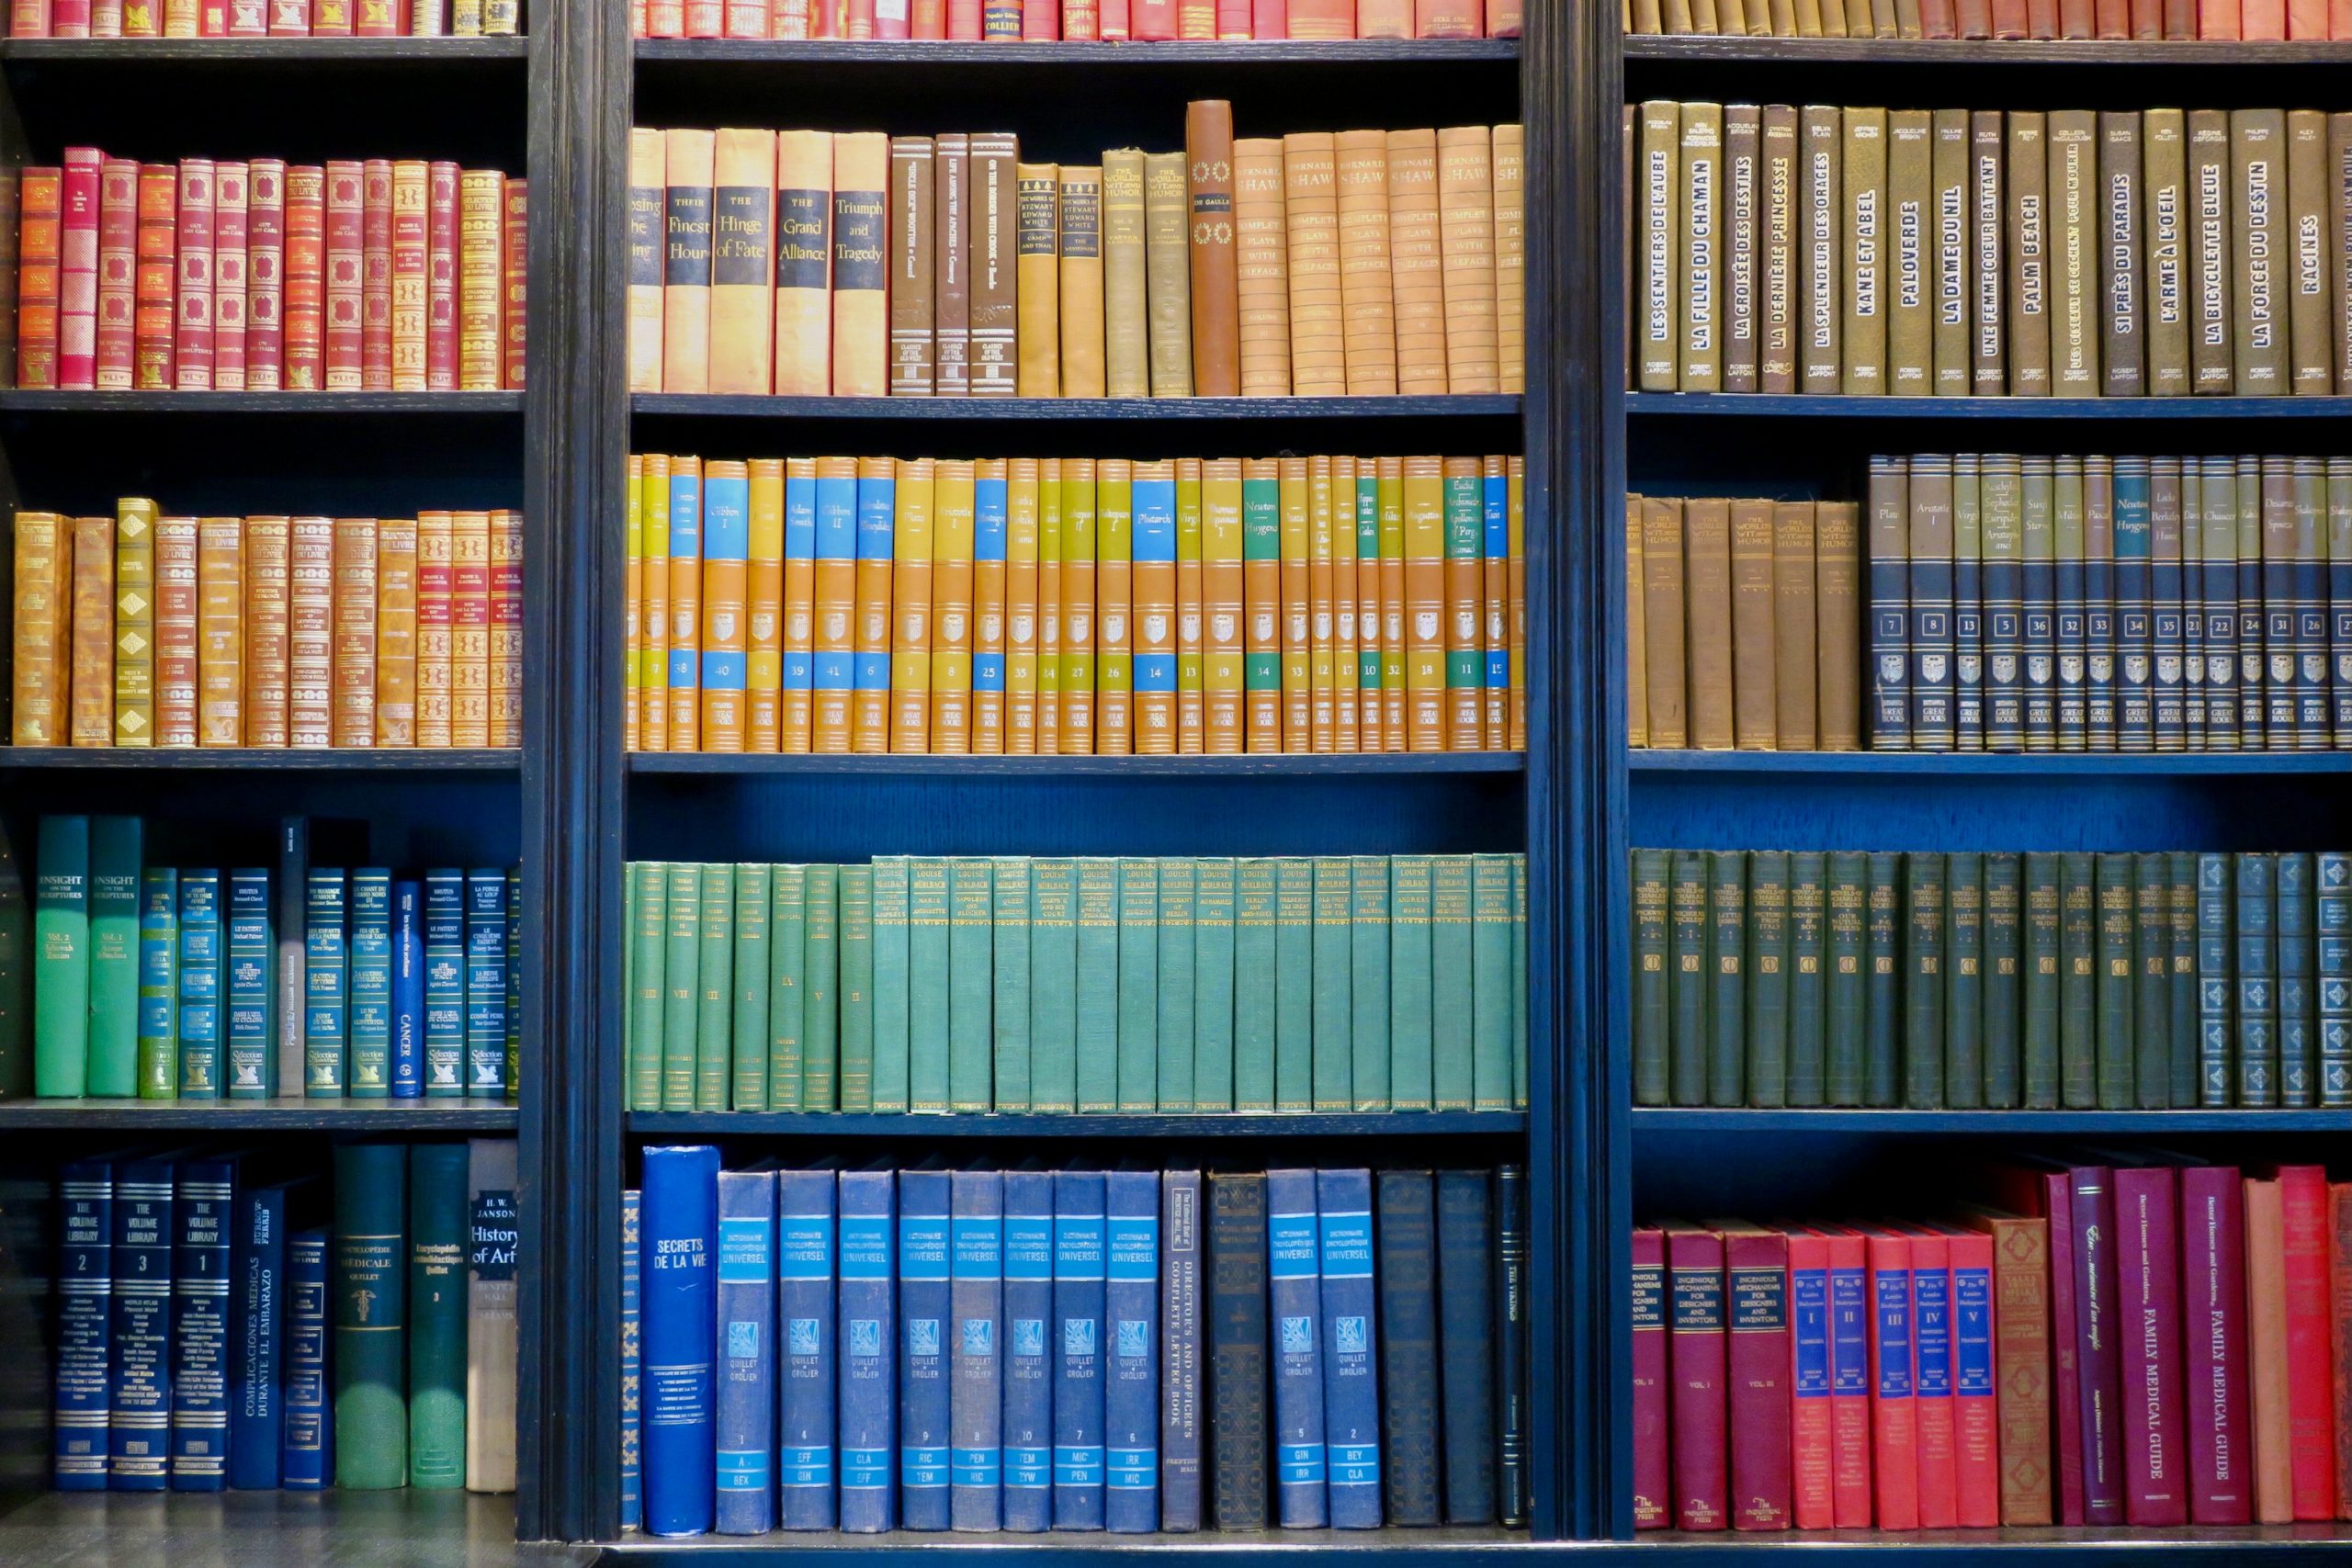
{"x": 81, "y": 1402}
{"x": 1759, "y": 1359}
{"x": 744, "y": 1412}
{"x": 1028, "y": 1319}
{"x": 307, "y": 1453}
{"x": 445, "y": 983}
{"x": 1182, "y": 1417}
{"x": 1131, "y": 1375}
{"x": 491, "y": 1234}
{"x": 199, "y": 976}
{"x": 257, "y": 1284}
{"x": 369, "y": 1283}
{"x": 198, "y": 1372}
{"x": 1697, "y": 1352}
{"x": 1079, "y": 1306}
{"x": 40, "y": 249}
{"x": 977, "y": 1392}
{"x": 1293, "y": 1268}
{"x": 1240, "y": 1351}
{"x": 678, "y": 1331}
{"x": 925, "y": 1270}
{"x": 808, "y": 1348}
{"x": 370, "y": 1017}
{"x": 439, "y": 1372}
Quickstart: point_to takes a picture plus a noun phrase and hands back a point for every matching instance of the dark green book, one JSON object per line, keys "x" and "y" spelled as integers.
{"x": 2003, "y": 932}
{"x": 748, "y": 1033}
{"x": 1965, "y": 980}
{"x": 2180, "y": 1034}
{"x": 2216, "y": 983}
{"x": 1213, "y": 893}
{"x": 788, "y": 983}
{"x": 928, "y": 905}
{"x": 1138, "y": 1086}
{"x": 1768, "y": 978}
{"x": 1490, "y": 983}
{"x": 2152, "y": 985}
{"x": 1368, "y": 981}
{"x": 1727, "y": 978}
{"x": 890, "y": 988}
{"x": 1687, "y": 958}
{"x": 113, "y": 1066}
{"x": 1849, "y": 987}
{"x": 439, "y": 1230}
{"x": 2257, "y": 973}
{"x": 853, "y": 931}
{"x": 715, "y": 990}
{"x": 1651, "y": 949}
{"x": 1452, "y": 1077}
{"x": 1882, "y": 1010}
{"x": 15, "y": 975}
{"x": 1254, "y": 979}
{"x": 971, "y": 985}
{"x": 2078, "y": 978}
{"x": 370, "y": 1283}
{"x": 1178, "y": 965}
{"x": 2118, "y": 988}
{"x": 1098, "y": 984}
{"x": 1009, "y": 1010}
{"x": 61, "y": 958}
{"x": 2298, "y": 932}
{"x": 1808, "y": 877}
{"x": 1410, "y": 1085}
{"x": 681, "y": 987}
{"x": 1924, "y": 940}
{"x": 1052, "y": 985}
{"x": 2043, "y": 982}
{"x": 1333, "y": 996}
{"x": 648, "y": 944}
{"x": 820, "y": 956}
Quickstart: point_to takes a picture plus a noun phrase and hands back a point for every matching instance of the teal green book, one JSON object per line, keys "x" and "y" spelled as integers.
{"x": 1964, "y": 1084}
{"x": 649, "y": 882}
{"x": 2116, "y": 990}
{"x": 1178, "y": 962}
{"x": 370, "y": 1316}
{"x": 2295, "y": 927}
{"x": 1518, "y": 1022}
{"x": 1212, "y": 894}
{"x": 1490, "y": 999}
{"x": 61, "y": 958}
{"x": 1686, "y": 978}
{"x": 1846, "y": 1008}
{"x": 1098, "y": 984}
{"x": 1139, "y": 1023}
{"x": 1808, "y": 991}
{"x": 159, "y": 985}
{"x": 1727, "y": 978}
{"x": 971, "y": 916}
{"x": 1293, "y": 984}
{"x": 1768, "y": 978}
{"x": 2181, "y": 1034}
{"x": 1883, "y": 1006}
{"x": 2152, "y": 987}
{"x": 1653, "y": 1014}
{"x": 2077, "y": 981}
{"x": 788, "y": 983}
{"x": 629, "y": 991}
{"x": 2043, "y": 983}
{"x": 1332, "y": 992}
{"x": 1254, "y": 979}
{"x": 928, "y": 912}
{"x": 890, "y": 978}
{"x": 439, "y": 1230}
{"x": 1052, "y": 985}
{"x": 1009, "y": 904}
{"x": 715, "y": 988}
{"x": 1925, "y": 937}
{"x": 853, "y": 1041}
{"x": 748, "y": 1035}
{"x": 1368, "y": 980}
{"x": 2003, "y": 934}
{"x": 1453, "y": 1079}
{"x": 681, "y": 987}
{"x": 821, "y": 957}
{"x": 1410, "y": 1024}
{"x": 113, "y": 1066}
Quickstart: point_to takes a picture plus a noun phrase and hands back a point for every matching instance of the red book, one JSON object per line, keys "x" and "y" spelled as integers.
{"x": 2214, "y": 1374}
{"x": 155, "y": 301}
{"x": 1233, "y": 19}
{"x": 2339, "y": 27}
{"x": 1269, "y": 19}
{"x": 1111, "y": 20}
{"x": 2147, "y": 19}
{"x": 706, "y": 19}
{"x": 1080, "y": 20}
{"x": 375, "y": 18}
{"x": 1756, "y": 1272}
{"x": 1973, "y": 18}
{"x": 266, "y": 274}
{"x": 2041, "y": 18}
{"x": 1041, "y": 21}
{"x": 2306, "y": 18}
{"x": 1385, "y": 18}
{"x": 331, "y": 18}
{"x": 441, "y": 278}
{"x": 1696, "y": 1349}
{"x": 1652, "y": 1485}
{"x": 1934, "y": 1362}
{"x": 878, "y": 18}
{"x": 1446, "y": 19}
{"x": 69, "y": 18}
{"x": 1811, "y": 1447}
{"x": 1154, "y": 21}
{"x": 2155, "y": 1472}
{"x": 2217, "y": 18}
{"x": 232, "y": 202}
{"x": 346, "y": 217}
{"x": 2179, "y": 18}
{"x": 2097, "y": 1324}
{"x": 2077, "y": 18}
{"x": 1503, "y": 18}
{"x": 2310, "y": 1371}
{"x": 1851, "y": 1325}
{"x": 28, "y": 18}
{"x": 212, "y": 18}
{"x": 77, "y": 281}
{"x": 1939, "y": 18}
{"x": 517, "y": 260}
{"x": 1895, "y": 1417}
{"x": 248, "y": 18}
{"x": 39, "y": 236}
{"x": 2340, "y": 1275}
{"x": 2109, "y": 18}
{"x": 1976, "y": 1421}
{"x": 665, "y": 18}
{"x": 2065, "y": 1350}
{"x": 192, "y": 337}
{"x": 1321, "y": 19}
{"x": 290, "y": 18}
{"x": 746, "y": 18}
{"x": 117, "y": 271}
{"x": 2262, "y": 21}
{"x": 306, "y": 260}
{"x": 2009, "y": 19}
{"x": 928, "y": 20}
{"x": 376, "y": 276}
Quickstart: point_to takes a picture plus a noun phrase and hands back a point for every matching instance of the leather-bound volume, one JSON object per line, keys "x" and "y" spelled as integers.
{"x": 2121, "y": 297}
{"x": 1864, "y": 223}
{"x": 1697, "y": 1355}
{"x": 803, "y": 363}
{"x": 1735, "y": 282}
{"x": 647, "y": 245}
{"x": 911, "y": 252}
{"x": 513, "y": 279}
{"x": 481, "y": 279}
{"x": 1838, "y": 608}
{"x": 469, "y": 634}
{"x": 1510, "y": 254}
{"x": 1759, "y": 1363}
{"x": 411, "y": 181}
{"x": 1653, "y": 1485}
{"x": 2339, "y": 231}
{"x": 1637, "y": 705}
{"x": 1820, "y": 249}
{"x": 232, "y": 213}
{"x": 354, "y": 707}
{"x": 2029, "y": 259}
{"x": 41, "y": 626}
{"x": 1366, "y": 286}
{"x": 395, "y": 631}
{"x": 118, "y": 273}
{"x": 2260, "y": 280}
{"x": 1699, "y": 250}
{"x": 1953, "y": 368}
{"x": 442, "y": 257}
{"x": 39, "y": 250}
{"x": 2165, "y": 213}
{"x": 1081, "y": 281}
{"x": 1416, "y": 268}
{"x": 2310, "y": 347}
{"x": 1706, "y": 574}
{"x": 176, "y": 632}
{"x": 1311, "y": 224}
{"x": 90, "y": 712}
{"x": 268, "y": 585}
{"x": 2020, "y": 1362}
{"x": 219, "y": 631}
{"x": 1796, "y": 716}
{"x": 1167, "y": 273}
{"x": 1663, "y": 624}
{"x": 134, "y": 622}
{"x": 1777, "y": 262}
{"x": 1755, "y": 708}
{"x": 2267, "y": 1353}
{"x": 1910, "y": 253}
{"x": 192, "y": 325}
{"x": 1216, "y": 299}
{"x": 434, "y": 545}
{"x": 310, "y": 628}
{"x": 155, "y": 284}
{"x": 1263, "y": 253}
{"x": 1036, "y": 243}
{"x": 861, "y": 264}
{"x": 1127, "y": 333}
{"x": 951, "y": 267}
{"x": 742, "y": 264}
{"x": 343, "y": 266}
{"x": 265, "y": 275}
{"x": 1466, "y": 245}
{"x": 375, "y": 276}
{"x": 2215, "y": 1388}
{"x": 995, "y": 296}
{"x": 2213, "y": 363}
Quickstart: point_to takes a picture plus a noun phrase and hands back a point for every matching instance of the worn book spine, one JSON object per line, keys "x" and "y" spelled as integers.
{"x": 1214, "y": 302}
{"x": 2210, "y": 286}
{"x": 1262, "y": 252}
{"x": 1823, "y": 250}
{"x": 1466, "y": 247}
{"x": 2260, "y": 278}
{"x": 1700, "y": 255}
{"x": 1037, "y": 244}
{"x": 2310, "y": 337}
{"x": 2167, "y": 233}
{"x": 1167, "y": 267}
{"x": 1081, "y": 281}
{"x": 2120, "y": 223}
{"x": 1909, "y": 246}
{"x": 861, "y": 268}
{"x": 1775, "y": 281}
{"x": 912, "y": 251}
{"x": 1126, "y": 332}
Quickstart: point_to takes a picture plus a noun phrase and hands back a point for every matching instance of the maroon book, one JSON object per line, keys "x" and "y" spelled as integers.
{"x": 1695, "y": 1338}
{"x": 2214, "y": 1374}
{"x": 2097, "y": 1322}
{"x": 1756, "y": 1268}
{"x": 2041, "y": 18}
{"x": 2111, "y": 19}
{"x": 2180, "y": 18}
{"x": 1974, "y": 18}
{"x": 2065, "y": 1398}
{"x": 2077, "y": 20}
{"x": 1652, "y": 1486}
{"x": 1936, "y": 19}
{"x": 2155, "y": 1470}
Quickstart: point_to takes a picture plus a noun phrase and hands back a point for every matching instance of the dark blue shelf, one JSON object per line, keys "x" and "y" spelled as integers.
{"x": 2053, "y": 764}
{"x": 866, "y": 1124}
{"x": 1263, "y": 767}
{"x": 1756, "y": 405}
{"x": 1999, "y": 1123}
{"x": 260, "y": 1115}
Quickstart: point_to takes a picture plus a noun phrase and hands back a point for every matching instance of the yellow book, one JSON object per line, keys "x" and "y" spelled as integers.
{"x": 90, "y": 648}
{"x": 1394, "y": 735}
{"x": 1367, "y": 293}
{"x": 1078, "y": 600}
{"x": 395, "y": 630}
{"x": 653, "y": 650}
{"x": 649, "y": 203}
{"x": 1260, "y": 245}
{"x": 481, "y": 279}
{"x": 913, "y": 578}
{"x": 1344, "y": 605}
{"x": 1510, "y": 257}
{"x": 633, "y": 609}
{"x": 1424, "y": 561}
{"x": 1222, "y": 645}
{"x": 1466, "y": 248}
{"x": 725, "y": 605}
{"x": 268, "y": 646}
{"x": 469, "y": 628}
{"x": 990, "y": 571}
{"x": 1081, "y": 281}
{"x": 1370, "y": 732}
{"x": 742, "y": 262}
{"x": 134, "y": 622}
{"x": 833, "y": 580}
{"x": 1152, "y": 620}
{"x": 685, "y": 297}
{"x": 763, "y": 631}
{"x": 1322, "y": 611}
{"x": 1021, "y": 607}
{"x": 1515, "y": 493}
{"x": 1114, "y": 637}
{"x": 1037, "y": 279}
{"x": 685, "y": 636}
{"x": 1190, "y": 685}
{"x": 176, "y": 618}
{"x": 798, "y": 668}
{"x": 1416, "y": 270}
{"x": 861, "y": 270}
{"x": 952, "y": 553}
{"x": 1297, "y": 606}
{"x": 411, "y": 276}
{"x": 1126, "y": 368}
{"x": 506, "y": 627}
{"x": 435, "y": 550}
{"x": 354, "y": 721}
{"x": 804, "y": 263}
{"x": 1049, "y": 606}
{"x": 1318, "y": 360}
{"x": 1261, "y": 591}
{"x": 877, "y": 512}
{"x": 221, "y": 628}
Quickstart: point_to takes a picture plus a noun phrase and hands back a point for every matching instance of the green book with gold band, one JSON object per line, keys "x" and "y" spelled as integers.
{"x": 1334, "y": 987}
{"x": 1520, "y": 1052}
{"x": 1098, "y": 984}
{"x": 1052, "y": 985}
{"x": 1368, "y": 982}
{"x": 1254, "y": 981}
{"x": 681, "y": 987}
{"x": 1924, "y": 940}
{"x": 1453, "y": 1074}
{"x": 1213, "y": 984}
{"x": 1847, "y": 957}
{"x": 2078, "y": 981}
{"x": 2004, "y": 910}
{"x": 1768, "y": 978}
{"x": 1491, "y": 997}
{"x": 854, "y": 933}
{"x": 649, "y": 882}
{"x": 891, "y": 983}
{"x": 1686, "y": 978}
{"x": 1965, "y": 980}
{"x": 1009, "y": 1010}
{"x": 788, "y": 983}
{"x": 61, "y": 961}
{"x": 1808, "y": 988}
{"x": 1178, "y": 976}
{"x": 928, "y": 915}
{"x": 715, "y": 988}
{"x": 2152, "y": 984}
{"x": 754, "y": 897}
{"x": 820, "y": 991}
{"x": 1652, "y": 1016}
{"x": 1410, "y": 1086}
{"x": 1293, "y": 984}
{"x": 1727, "y": 978}
{"x": 1138, "y": 1019}
{"x": 2043, "y": 983}
{"x": 2181, "y": 1035}
{"x": 971, "y": 919}
{"x": 370, "y": 1316}
{"x": 2114, "y": 991}
{"x": 1882, "y": 1001}
{"x": 438, "y": 1231}
{"x": 113, "y": 1052}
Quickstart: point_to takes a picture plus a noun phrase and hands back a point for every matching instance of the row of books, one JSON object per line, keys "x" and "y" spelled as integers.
{"x": 264, "y": 18}
{"x": 1075, "y": 604}
{"x": 2144, "y": 1343}
{"x": 1076, "y": 1349}
{"x": 145, "y": 630}
{"x": 1945, "y": 252}
{"x": 1965, "y": 980}
{"x": 1050, "y": 21}
{"x": 1743, "y": 624}
{"x": 807, "y": 263}
{"x": 204, "y": 983}
{"x": 211, "y": 1332}
{"x": 2115, "y": 20}
{"x": 1086, "y": 984}
{"x": 379, "y": 275}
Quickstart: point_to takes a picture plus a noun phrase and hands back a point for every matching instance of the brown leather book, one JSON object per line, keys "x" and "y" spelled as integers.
{"x": 2121, "y": 301}
{"x": 2310, "y": 347}
{"x": 2028, "y": 173}
{"x": 1777, "y": 257}
{"x": 912, "y": 253}
{"x": 1838, "y": 609}
{"x": 1637, "y": 678}
{"x": 219, "y": 631}
{"x": 951, "y": 266}
{"x": 1910, "y": 253}
{"x": 1796, "y": 721}
{"x": 1667, "y": 652}
{"x": 2212, "y": 367}
{"x": 1037, "y": 221}
{"x": 177, "y": 615}
{"x": 1988, "y": 300}
{"x": 1658, "y": 181}
{"x": 2260, "y": 278}
{"x": 2074, "y": 253}
{"x": 2339, "y": 230}
{"x": 354, "y": 722}
{"x": 91, "y": 647}
{"x": 1367, "y": 289}
{"x": 1126, "y": 317}
{"x": 1416, "y": 269}
{"x": 1698, "y": 261}
{"x": 1081, "y": 281}
{"x": 1754, "y": 653}
{"x": 996, "y": 301}
{"x": 1742, "y": 211}
{"x": 1318, "y": 355}
{"x": 2020, "y": 1360}
{"x": 1262, "y": 249}
{"x": 1167, "y": 267}
{"x": 1511, "y": 256}
{"x": 40, "y": 626}
{"x": 2164, "y": 212}
{"x": 1216, "y": 297}
{"x": 1953, "y": 368}
{"x": 395, "y": 628}
{"x": 134, "y": 622}
{"x": 1706, "y": 557}
{"x": 1863, "y": 369}
{"x": 268, "y": 648}
{"x": 1821, "y": 243}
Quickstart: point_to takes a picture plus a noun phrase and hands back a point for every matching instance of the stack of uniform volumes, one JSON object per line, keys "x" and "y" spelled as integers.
{"x": 265, "y": 19}
{"x": 1131, "y": 1350}
{"x": 803, "y": 263}
{"x": 1086, "y": 984}
{"x": 253, "y": 982}
{"x": 1048, "y": 21}
{"x": 145, "y": 630}
{"x": 1963, "y": 980}
{"x": 1077, "y": 605}
{"x": 2265, "y": 20}
{"x": 2128, "y": 1342}
{"x": 205, "y": 1338}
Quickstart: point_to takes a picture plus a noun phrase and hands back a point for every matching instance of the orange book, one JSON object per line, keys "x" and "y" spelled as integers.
{"x": 954, "y": 526}
{"x": 1114, "y": 635}
{"x": 804, "y": 263}
{"x": 1510, "y": 257}
{"x": 395, "y": 630}
{"x": 91, "y": 641}
{"x": 506, "y": 629}
{"x": 877, "y": 525}
{"x": 1465, "y": 197}
{"x": 1515, "y": 520}
{"x": 653, "y": 630}
{"x": 309, "y": 635}
{"x": 802, "y": 505}
{"x": 684, "y": 640}
{"x": 220, "y": 631}
{"x": 268, "y": 561}
{"x": 514, "y": 284}
{"x": 1395, "y": 735}
{"x": 742, "y": 262}
{"x": 1049, "y": 606}
{"x": 912, "y": 577}
{"x": 176, "y": 612}
{"x": 2266, "y": 1270}
{"x": 354, "y": 632}
{"x": 1425, "y": 600}
{"x": 1023, "y": 605}
{"x": 861, "y": 275}
{"x": 1322, "y": 611}
{"x": 834, "y": 589}
{"x": 436, "y": 539}
{"x": 1261, "y": 591}
{"x": 1078, "y": 603}
{"x": 1416, "y": 267}
{"x": 1494, "y": 587}
{"x": 1345, "y": 675}
{"x": 1366, "y": 522}
{"x": 633, "y": 612}
{"x": 43, "y": 615}
{"x": 481, "y": 279}
{"x": 40, "y": 236}
{"x": 1366, "y": 285}
{"x": 649, "y": 198}
{"x": 1192, "y": 673}
{"x": 1464, "y": 578}
{"x": 1318, "y": 359}
{"x": 1224, "y": 619}
{"x": 1297, "y": 590}
{"x": 469, "y": 628}
{"x": 725, "y": 603}
{"x": 764, "y": 631}
{"x": 411, "y": 180}
{"x": 1261, "y": 261}
{"x": 990, "y": 571}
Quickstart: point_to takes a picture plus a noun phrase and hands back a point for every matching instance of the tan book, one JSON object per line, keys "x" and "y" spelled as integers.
{"x": 2121, "y": 303}
{"x": 1262, "y": 250}
{"x": 742, "y": 262}
{"x": 951, "y": 266}
{"x": 2029, "y": 174}
{"x": 435, "y": 544}
{"x": 1416, "y": 268}
{"x": 2339, "y": 230}
{"x": 1699, "y": 249}
{"x": 1952, "y": 368}
{"x": 220, "y": 631}
{"x": 804, "y": 263}
{"x": 861, "y": 266}
{"x": 177, "y": 600}
{"x": 1656, "y": 328}
{"x": 469, "y": 631}
{"x": 1318, "y": 360}
{"x": 1037, "y": 269}
{"x": 2213, "y": 364}
{"x": 310, "y": 630}
{"x": 40, "y": 622}
{"x": 2165, "y": 212}
{"x": 996, "y": 305}
{"x": 1215, "y": 284}
{"x": 1838, "y": 609}
{"x": 1081, "y": 281}
{"x": 686, "y": 265}
{"x": 1777, "y": 266}
{"x": 1465, "y": 203}
{"x": 648, "y": 201}
{"x": 2261, "y": 281}
{"x": 355, "y": 631}
{"x": 1367, "y": 292}
{"x": 2311, "y": 369}
{"x": 1863, "y": 325}
{"x": 1706, "y": 591}
{"x": 1166, "y": 219}
{"x": 268, "y": 648}
{"x": 506, "y": 629}
{"x": 1637, "y": 678}
{"x": 134, "y": 622}
{"x": 1988, "y": 300}
{"x": 911, "y": 250}
{"x": 1796, "y": 720}
{"x": 1820, "y": 352}
{"x": 1663, "y": 623}
{"x": 1511, "y": 256}
{"x": 1126, "y": 330}
{"x": 396, "y": 630}
{"x": 1741, "y": 215}
{"x": 1628, "y": 225}
{"x": 2074, "y": 253}
{"x": 91, "y": 646}
{"x": 1910, "y": 251}
{"x": 1753, "y": 654}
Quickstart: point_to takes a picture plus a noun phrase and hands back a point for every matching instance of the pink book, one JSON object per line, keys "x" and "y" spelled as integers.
{"x": 2310, "y": 1369}
{"x": 1976, "y": 1418}
{"x": 1154, "y": 21}
{"x": 1934, "y": 1363}
{"x": 232, "y": 201}
{"x": 1850, "y": 1328}
{"x": 1041, "y": 21}
{"x": 347, "y": 267}
{"x": 1811, "y": 1466}
{"x": 1652, "y": 1487}
{"x": 2217, "y": 18}
{"x": 70, "y": 18}
{"x": 1756, "y": 1271}
{"x": 964, "y": 21}
{"x": 2214, "y": 1373}
{"x": 704, "y": 18}
{"x": 2263, "y": 20}
{"x": 890, "y": 18}
{"x": 2305, "y": 20}
{"x": 2339, "y": 22}
{"x": 746, "y": 18}
{"x": 77, "y": 282}
{"x": 117, "y": 271}
{"x": 28, "y": 18}
{"x": 1112, "y": 21}
{"x": 1698, "y": 1357}
{"x": 265, "y": 275}
{"x": 248, "y": 18}
{"x": 1894, "y": 1410}
{"x": 2065, "y": 1395}
{"x": 192, "y": 329}
{"x": 441, "y": 278}
{"x": 2156, "y": 1473}
{"x": 1269, "y": 19}
{"x": 1233, "y": 19}
{"x": 2099, "y": 1363}
{"x": 290, "y": 18}
{"x": 376, "y": 276}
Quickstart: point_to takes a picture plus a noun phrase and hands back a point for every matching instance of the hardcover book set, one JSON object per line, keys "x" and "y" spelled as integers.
{"x": 1075, "y": 21}
{"x": 2105, "y": 20}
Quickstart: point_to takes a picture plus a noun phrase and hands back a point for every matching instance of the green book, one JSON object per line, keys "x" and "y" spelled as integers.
{"x": 1138, "y": 1021}
{"x": 891, "y": 983}
{"x": 1368, "y": 981}
{"x": 2255, "y": 953}
{"x": 1882, "y": 1004}
{"x": 2296, "y": 927}
{"x": 2077, "y": 981}
{"x": 1808, "y": 1002}
{"x": 439, "y": 1230}
{"x": 2115, "y": 991}
{"x": 1519, "y": 1030}
{"x": 1687, "y": 940}
{"x": 1332, "y": 993}
{"x": 1453, "y": 1075}
{"x": 1846, "y": 1007}
{"x": 1768, "y": 978}
{"x": 1964, "y": 981}
{"x": 748, "y": 1036}
{"x": 1254, "y": 979}
{"x": 928, "y": 913}
{"x": 1651, "y": 1017}
{"x": 854, "y": 933}
{"x": 1052, "y": 985}
{"x": 1098, "y": 984}
{"x": 649, "y": 882}
{"x": 971, "y": 960}
{"x": 113, "y": 1067}
{"x": 820, "y": 953}
{"x": 1411, "y": 1025}
{"x": 1213, "y": 960}
{"x": 2151, "y": 990}
{"x": 1293, "y": 984}
{"x": 2003, "y": 934}
{"x": 788, "y": 983}
{"x": 159, "y": 985}
{"x": 1924, "y": 938}
{"x": 681, "y": 987}
{"x": 1727, "y": 978}
{"x": 62, "y": 961}
{"x": 1490, "y": 990}
{"x": 2042, "y": 984}
{"x": 1177, "y": 962}
{"x": 370, "y": 1316}
{"x": 629, "y": 991}
{"x": 714, "y": 989}
{"x": 1009, "y": 1008}
{"x": 2181, "y": 1034}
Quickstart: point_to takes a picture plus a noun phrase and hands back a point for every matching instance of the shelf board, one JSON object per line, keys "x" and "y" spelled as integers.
{"x": 261, "y": 403}
{"x": 1986, "y": 51}
{"x": 260, "y": 759}
{"x": 1110, "y": 410}
{"x": 1262, "y": 767}
{"x": 262, "y": 1116}
{"x": 1759, "y": 405}
{"x": 2002, "y": 1123}
{"x": 863, "y": 1124}
{"x": 2051, "y": 764}
{"x": 1431, "y": 1548}
{"x": 823, "y": 52}
{"x": 273, "y": 50}
{"x": 2040, "y": 1545}
{"x": 408, "y": 1526}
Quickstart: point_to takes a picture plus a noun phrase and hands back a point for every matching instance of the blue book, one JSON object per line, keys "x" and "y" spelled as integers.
{"x": 678, "y": 1292}
{"x": 867, "y": 1305}
{"x": 1495, "y": 498}
{"x": 325, "y": 996}
{"x": 159, "y": 983}
{"x": 2334, "y": 980}
{"x": 371, "y": 984}
{"x": 513, "y": 1074}
{"x": 878, "y": 510}
{"x": 2004, "y": 546}
{"x": 445, "y": 983}
{"x": 2313, "y": 709}
{"x": 804, "y": 1310}
{"x": 2135, "y": 691}
{"x": 203, "y": 1197}
{"x": 200, "y": 985}
{"x": 256, "y": 1336}
{"x": 925, "y": 1273}
{"x": 486, "y": 985}
{"x": 1131, "y": 1382}
{"x": 800, "y": 545}
{"x": 1079, "y": 1200}
{"x": 247, "y": 1030}
{"x": 1028, "y": 1370}
{"x": 2052, "y": 645}
{"x": 1293, "y": 1270}
{"x": 976, "y": 1393}
{"x": 989, "y": 506}
{"x": 1929, "y": 594}
{"x": 746, "y": 1374}
{"x": 2294, "y": 920}
{"x": 140, "y": 1400}
{"x": 834, "y": 539}
{"x": 1466, "y": 1321}
{"x": 1890, "y": 586}
{"x": 632, "y": 1369}
{"x": 1931, "y": 1359}
{"x": 2256, "y": 980}
{"x": 84, "y": 1295}
{"x": 2167, "y": 629}
{"x": 1972, "y": 1333}
{"x": 2219, "y": 576}
{"x": 1350, "y": 1358}
{"x": 306, "y": 1452}
{"x": 1968, "y": 603}
{"x": 726, "y": 537}
{"x": 685, "y": 544}
{"x": 1410, "y": 1392}
{"x": 1179, "y": 1350}
{"x": 2102, "y": 691}
{"x": 1154, "y": 543}
{"x": 408, "y": 990}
